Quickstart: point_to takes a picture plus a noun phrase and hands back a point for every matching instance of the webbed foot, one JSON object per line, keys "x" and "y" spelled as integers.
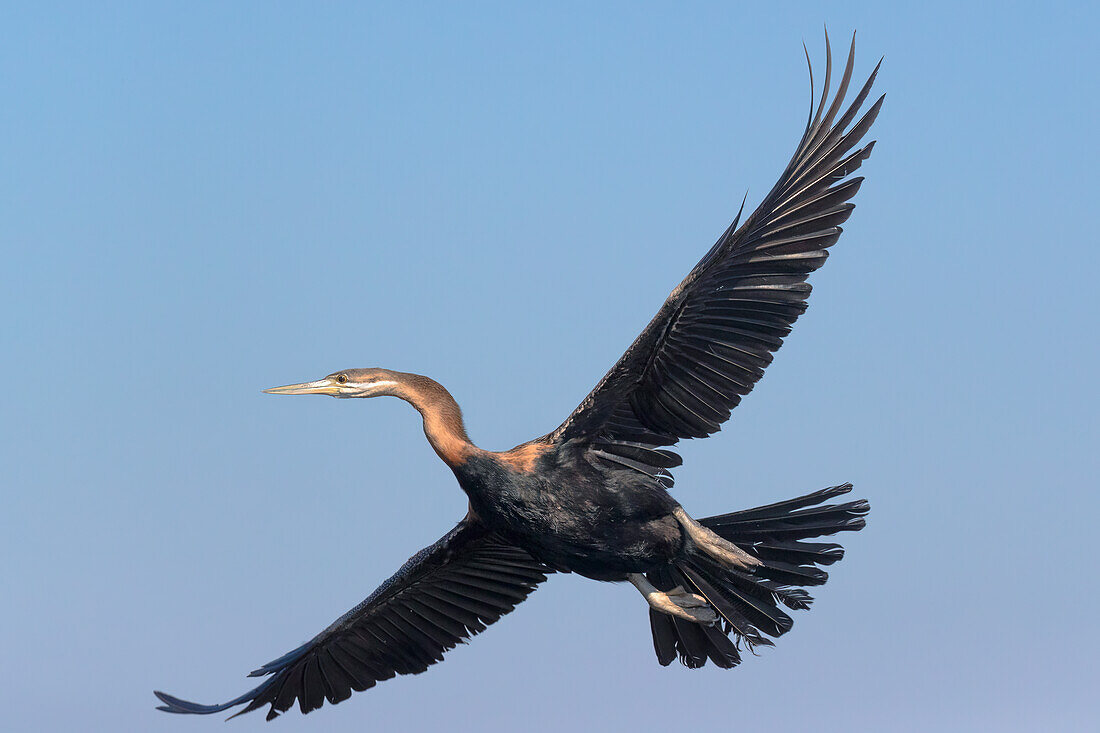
{"x": 676, "y": 602}
{"x": 716, "y": 547}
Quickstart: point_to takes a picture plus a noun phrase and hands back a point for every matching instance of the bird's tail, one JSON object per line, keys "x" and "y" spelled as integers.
{"x": 750, "y": 602}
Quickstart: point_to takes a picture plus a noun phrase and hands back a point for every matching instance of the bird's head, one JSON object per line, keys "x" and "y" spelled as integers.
{"x": 348, "y": 383}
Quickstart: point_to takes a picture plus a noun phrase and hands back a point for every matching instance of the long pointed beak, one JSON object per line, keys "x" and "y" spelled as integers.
{"x": 321, "y": 386}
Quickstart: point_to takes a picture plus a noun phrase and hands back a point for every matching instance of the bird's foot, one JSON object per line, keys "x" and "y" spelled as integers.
{"x": 716, "y": 547}
{"x": 690, "y": 606}
{"x": 676, "y": 602}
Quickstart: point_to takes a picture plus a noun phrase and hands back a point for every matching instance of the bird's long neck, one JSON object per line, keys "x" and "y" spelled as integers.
{"x": 443, "y": 424}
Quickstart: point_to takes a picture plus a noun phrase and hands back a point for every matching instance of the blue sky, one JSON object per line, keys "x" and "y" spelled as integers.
{"x": 201, "y": 200}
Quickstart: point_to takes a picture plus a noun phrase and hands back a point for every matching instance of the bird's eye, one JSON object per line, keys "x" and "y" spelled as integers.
{"x": 342, "y": 379}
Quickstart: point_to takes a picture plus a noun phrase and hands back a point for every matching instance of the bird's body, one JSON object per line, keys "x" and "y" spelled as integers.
{"x": 572, "y": 514}
{"x": 557, "y": 499}
{"x": 592, "y": 497}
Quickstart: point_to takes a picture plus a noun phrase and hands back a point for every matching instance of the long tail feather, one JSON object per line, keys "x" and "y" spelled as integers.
{"x": 750, "y": 603}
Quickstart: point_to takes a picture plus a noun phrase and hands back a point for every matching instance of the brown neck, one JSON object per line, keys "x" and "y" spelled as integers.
{"x": 442, "y": 417}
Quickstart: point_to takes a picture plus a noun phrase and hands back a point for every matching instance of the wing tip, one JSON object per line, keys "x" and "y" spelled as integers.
{"x": 173, "y": 704}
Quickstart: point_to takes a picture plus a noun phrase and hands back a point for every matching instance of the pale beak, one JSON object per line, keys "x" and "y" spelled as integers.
{"x": 321, "y": 386}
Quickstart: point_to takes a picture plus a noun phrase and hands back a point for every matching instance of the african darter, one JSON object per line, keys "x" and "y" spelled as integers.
{"x": 592, "y": 496}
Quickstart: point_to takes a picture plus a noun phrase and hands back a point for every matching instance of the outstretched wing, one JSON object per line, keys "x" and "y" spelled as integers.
{"x": 442, "y": 595}
{"x": 713, "y": 337}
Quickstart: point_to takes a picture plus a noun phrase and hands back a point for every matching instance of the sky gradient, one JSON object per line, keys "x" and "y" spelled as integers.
{"x": 202, "y": 200}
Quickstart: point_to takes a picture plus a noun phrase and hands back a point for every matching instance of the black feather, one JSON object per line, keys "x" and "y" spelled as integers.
{"x": 445, "y": 593}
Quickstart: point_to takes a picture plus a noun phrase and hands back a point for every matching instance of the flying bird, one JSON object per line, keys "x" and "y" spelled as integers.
{"x": 592, "y": 497}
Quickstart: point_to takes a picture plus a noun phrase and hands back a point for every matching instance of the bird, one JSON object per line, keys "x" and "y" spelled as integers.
{"x": 593, "y": 496}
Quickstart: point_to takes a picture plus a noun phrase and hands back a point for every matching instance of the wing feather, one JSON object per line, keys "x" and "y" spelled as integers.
{"x": 443, "y": 595}
{"x": 712, "y": 339}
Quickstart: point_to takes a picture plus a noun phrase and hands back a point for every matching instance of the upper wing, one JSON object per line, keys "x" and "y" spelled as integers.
{"x": 442, "y": 595}
{"x": 710, "y": 342}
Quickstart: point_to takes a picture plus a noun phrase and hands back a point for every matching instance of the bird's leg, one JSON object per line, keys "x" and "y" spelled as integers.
{"x": 676, "y": 602}
{"x": 721, "y": 550}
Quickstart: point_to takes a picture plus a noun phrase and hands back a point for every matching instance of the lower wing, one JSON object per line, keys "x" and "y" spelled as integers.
{"x": 441, "y": 596}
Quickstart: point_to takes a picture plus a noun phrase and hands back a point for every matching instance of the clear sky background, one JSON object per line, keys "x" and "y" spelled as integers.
{"x": 201, "y": 200}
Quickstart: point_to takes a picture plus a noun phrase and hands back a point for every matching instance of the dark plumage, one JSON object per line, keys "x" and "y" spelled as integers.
{"x": 592, "y": 496}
